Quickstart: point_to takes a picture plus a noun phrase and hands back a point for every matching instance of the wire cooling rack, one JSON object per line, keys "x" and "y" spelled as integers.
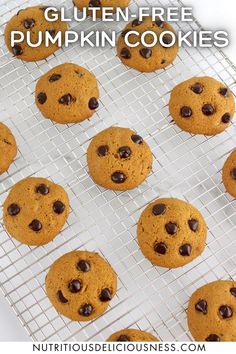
{"x": 185, "y": 166}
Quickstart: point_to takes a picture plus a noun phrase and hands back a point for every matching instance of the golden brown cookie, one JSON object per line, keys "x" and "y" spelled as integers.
{"x": 32, "y": 20}
{"x": 171, "y": 233}
{"x": 35, "y": 211}
{"x": 8, "y": 148}
{"x": 229, "y": 174}
{"x": 132, "y": 335}
{"x": 146, "y": 59}
{"x": 80, "y": 285}
{"x": 212, "y": 312}
{"x": 119, "y": 159}
{"x": 202, "y": 105}
{"x": 101, "y": 3}
{"x": 67, "y": 94}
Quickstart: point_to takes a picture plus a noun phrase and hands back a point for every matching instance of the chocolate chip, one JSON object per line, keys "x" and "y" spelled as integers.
{"x": 136, "y": 22}
{"x": 160, "y": 248}
{"x": 13, "y": 209}
{"x": 171, "y": 228}
{"x": 201, "y": 306}
{"x": 123, "y": 338}
{"x": 125, "y": 53}
{"x": 118, "y": 177}
{"x": 66, "y": 99}
{"x": 42, "y": 189}
{"x": 17, "y": 50}
{"x": 123, "y": 33}
{"x": 93, "y": 103}
{"x": 159, "y": 23}
{"x": 137, "y": 139}
{"x": 233, "y": 291}
{"x": 226, "y": 118}
{"x": 94, "y": 3}
{"x": 193, "y": 224}
{"x": 54, "y": 77}
{"x": 58, "y": 207}
{"x": 185, "y": 250}
{"x": 186, "y": 112}
{"x": 163, "y": 61}
{"x": 102, "y": 150}
{"x": 105, "y": 295}
{"x": 223, "y": 91}
{"x": 146, "y": 53}
{"x": 233, "y": 173}
{"x": 61, "y": 297}
{"x": 159, "y": 209}
{"x": 42, "y": 97}
{"x": 213, "y": 338}
{"x": 197, "y": 88}
{"x": 75, "y": 286}
{"x": 167, "y": 39}
{"x": 86, "y": 310}
{"x": 35, "y": 225}
{"x": 208, "y": 109}
{"x": 83, "y": 266}
{"x": 124, "y": 152}
{"x": 29, "y": 23}
{"x": 225, "y": 311}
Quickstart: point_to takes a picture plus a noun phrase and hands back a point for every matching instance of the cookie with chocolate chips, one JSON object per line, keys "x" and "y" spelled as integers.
{"x": 171, "y": 233}
{"x": 212, "y": 312}
{"x": 35, "y": 211}
{"x": 147, "y": 59}
{"x": 132, "y": 335}
{"x": 67, "y": 93}
{"x": 80, "y": 285}
{"x": 229, "y": 174}
{"x": 101, "y": 3}
{"x": 8, "y": 148}
{"x": 32, "y": 20}
{"x": 119, "y": 159}
{"x": 202, "y": 105}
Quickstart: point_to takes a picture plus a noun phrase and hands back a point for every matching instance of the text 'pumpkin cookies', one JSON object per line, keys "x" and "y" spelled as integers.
{"x": 8, "y": 148}
{"x": 80, "y": 285}
{"x": 132, "y": 335}
{"x": 143, "y": 58}
{"x": 171, "y": 233}
{"x": 101, "y": 3}
{"x": 35, "y": 211}
{"x": 229, "y": 174}
{"x": 32, "y": 20}
{"x": 212, "y": 312}
{"x": 202, "y": 105}
{"x": 119, "y": 159}
{"x": 67, "y": 93}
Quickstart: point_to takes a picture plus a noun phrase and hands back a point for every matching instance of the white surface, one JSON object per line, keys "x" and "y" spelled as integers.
{"x": 212, "y": 14}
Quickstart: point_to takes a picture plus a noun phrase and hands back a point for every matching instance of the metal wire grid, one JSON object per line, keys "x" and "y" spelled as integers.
{"x": 185, "y": 166}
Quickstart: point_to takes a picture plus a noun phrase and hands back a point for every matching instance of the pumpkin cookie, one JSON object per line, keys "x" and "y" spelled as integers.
{"x": 202, "y": 105}
{"x": 8, "y": 148}
{"x": 119, "y": 159}
{"x": 147, "y": 59}
{"x": 80, "y": 285}
{"x": 132, "y": 335}
{"x": 67, "y": 93}
{"x": 229, "y": 174}
{"x": 171, "y": 233}
{"x": 32, "y": 20}
{"x": 212, "y": 312}
{"x": 35, "y": 211}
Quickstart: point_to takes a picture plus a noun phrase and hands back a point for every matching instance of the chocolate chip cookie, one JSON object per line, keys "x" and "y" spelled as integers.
{"x": 229, "y": 174}
{"x": 8, "y": 148}
{"x": 147, "y": 59}
{"x": 171, "y": 233}
{"x": 31, "y": 20}
{"x": 35, "y": 211}
{"x": 202, "y": 105}
{"x": 212, "y": 312}
{"x": 80, "y": 285}
{"x": 101, "y": 3}
{"x": 67, "y": 93}
{"x": 132, "y": 335}
{"x": 119, "y": 159}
